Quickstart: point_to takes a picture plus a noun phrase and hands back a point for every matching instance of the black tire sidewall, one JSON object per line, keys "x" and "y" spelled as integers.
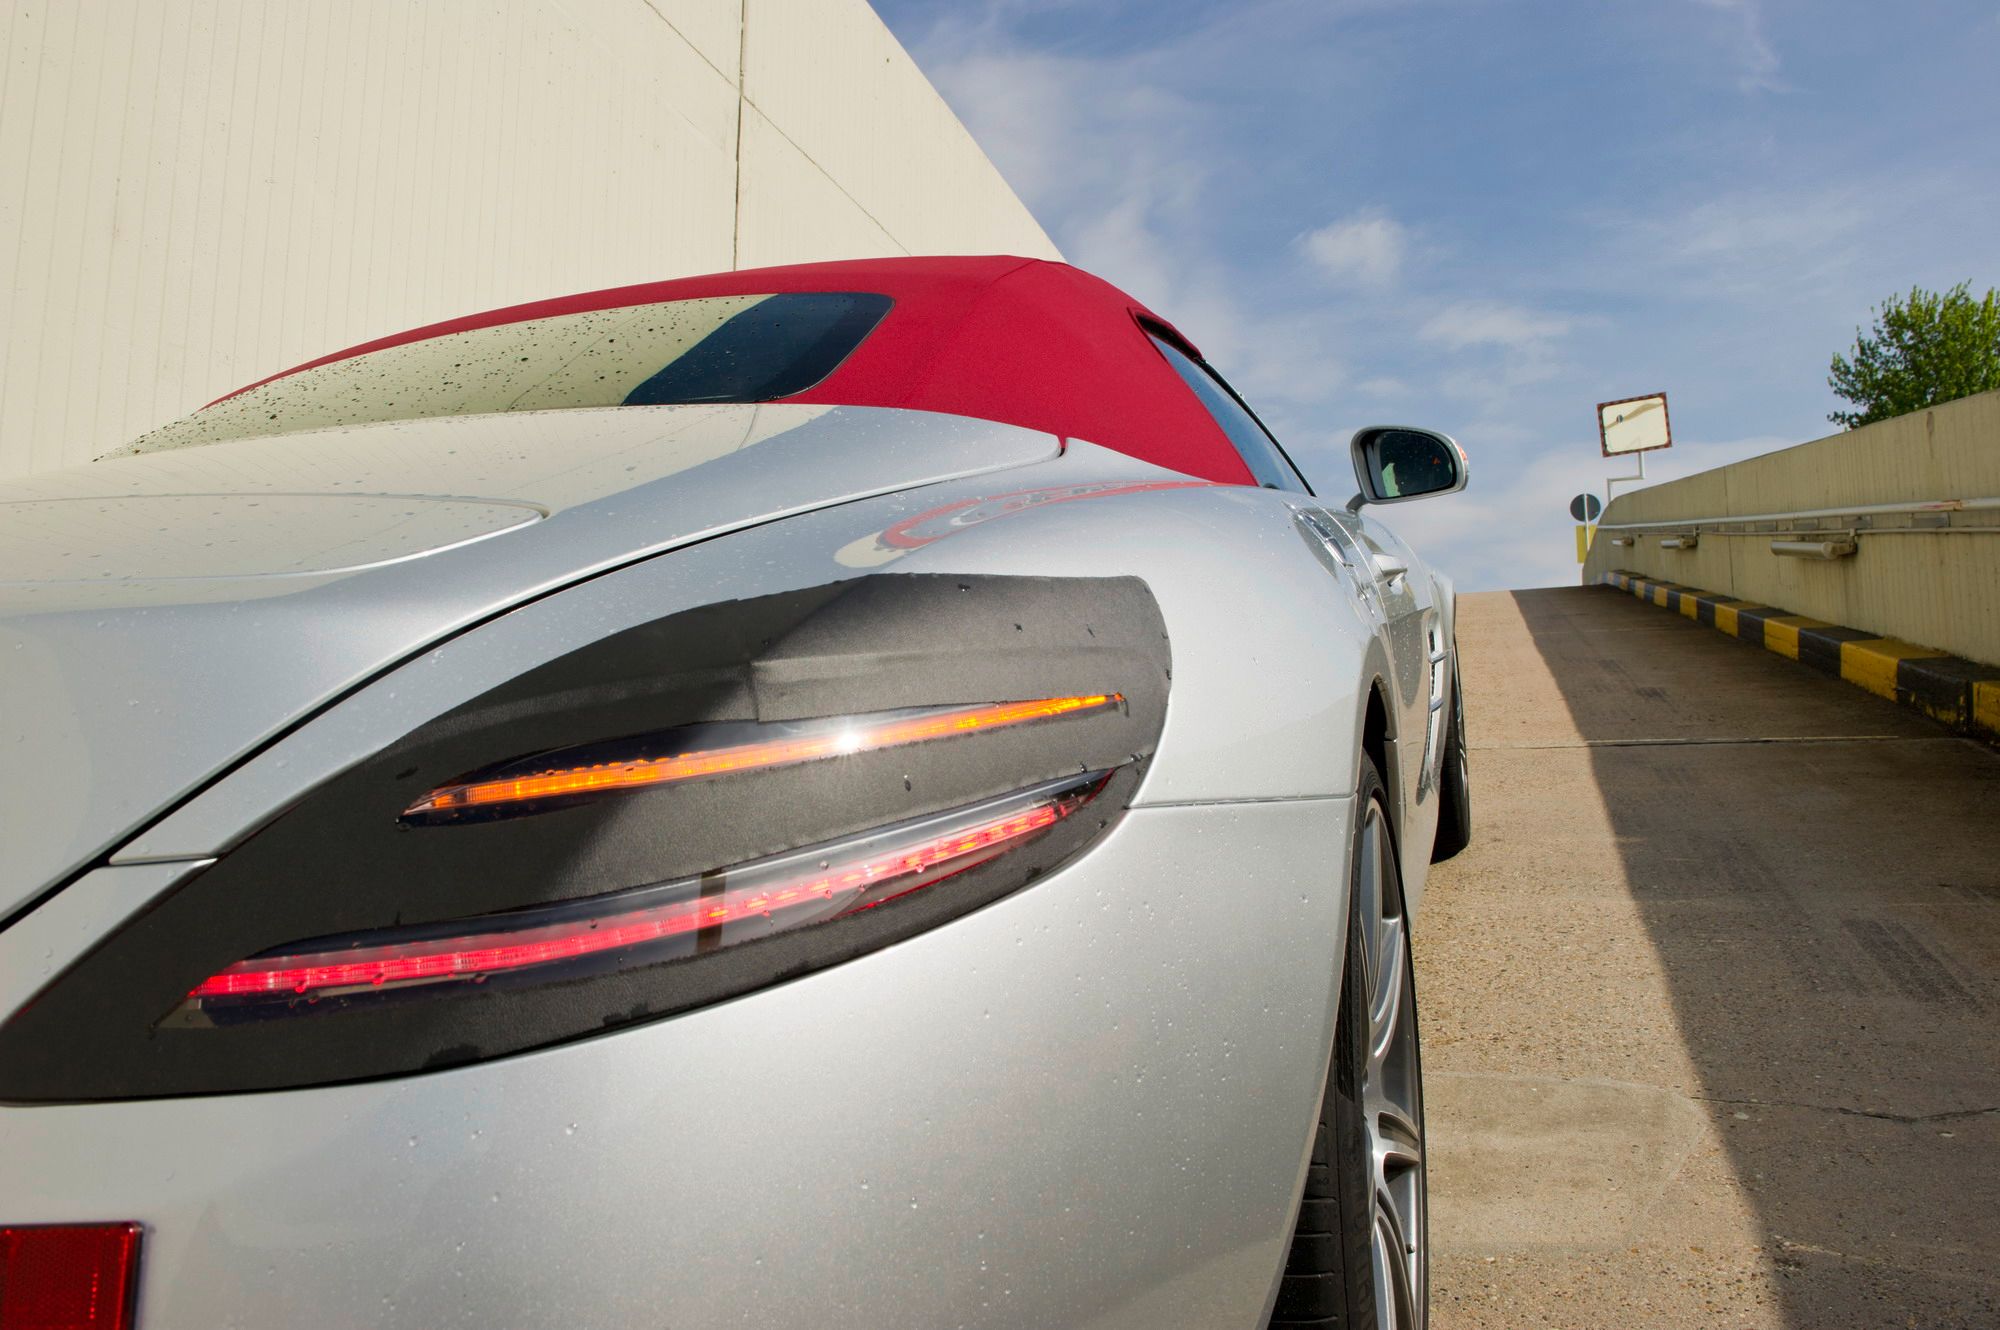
{"x": 1334, "y": 1282}
{"x": 1454, "y": 830}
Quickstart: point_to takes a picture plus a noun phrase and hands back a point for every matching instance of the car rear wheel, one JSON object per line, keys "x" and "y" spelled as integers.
{"x": 1360, "y": 1256}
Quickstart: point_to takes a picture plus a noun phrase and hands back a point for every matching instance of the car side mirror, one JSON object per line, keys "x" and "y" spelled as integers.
{"x": 1398, "y": 462}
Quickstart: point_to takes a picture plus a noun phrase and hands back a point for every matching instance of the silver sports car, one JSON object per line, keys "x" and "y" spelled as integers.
{"x": 855, "y": 795}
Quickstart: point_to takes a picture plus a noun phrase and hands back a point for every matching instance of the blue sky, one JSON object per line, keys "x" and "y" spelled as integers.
{"x": 1486, "y": 217}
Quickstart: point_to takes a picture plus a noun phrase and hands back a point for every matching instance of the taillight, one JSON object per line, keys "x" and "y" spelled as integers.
{"x": 68, "y": 1276}
{"x": 665, "y": 922}
{"x": 683, "y": 812}
{"x": 553, "y": 779}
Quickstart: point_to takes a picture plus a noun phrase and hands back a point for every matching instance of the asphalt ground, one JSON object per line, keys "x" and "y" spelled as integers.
{"x": 1711, "y": 1006}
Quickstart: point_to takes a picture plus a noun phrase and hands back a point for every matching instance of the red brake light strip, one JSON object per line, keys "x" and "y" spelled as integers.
{"x": 858, "y": 734}
{"x": 834, "y": 882}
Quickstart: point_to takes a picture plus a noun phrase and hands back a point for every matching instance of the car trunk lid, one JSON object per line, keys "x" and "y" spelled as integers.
{"x": 164, "y": 615}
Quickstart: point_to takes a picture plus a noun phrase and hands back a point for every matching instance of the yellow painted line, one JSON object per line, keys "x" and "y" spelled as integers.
{"x": 1781, "y": 634}
{"x": 1871, "y": 662}
{"x": 1690, "y": 606}
{"x": 1986, "y": 707}
{"x": 1659, "y": 595}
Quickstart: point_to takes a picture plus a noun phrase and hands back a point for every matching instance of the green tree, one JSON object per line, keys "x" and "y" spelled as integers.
{"x": 1926, "y": 348}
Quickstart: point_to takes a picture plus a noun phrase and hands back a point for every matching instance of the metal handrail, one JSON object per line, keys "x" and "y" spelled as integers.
{"x": 1858, "y": 510}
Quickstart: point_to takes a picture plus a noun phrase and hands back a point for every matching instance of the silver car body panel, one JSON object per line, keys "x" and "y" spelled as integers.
{"x": 61, "y": 930}
{"x": 1089, "y": 1103}
{"x": 146, "y": 687}
{"x": 127, "y": 538}
{"x": 1263, "y": 711}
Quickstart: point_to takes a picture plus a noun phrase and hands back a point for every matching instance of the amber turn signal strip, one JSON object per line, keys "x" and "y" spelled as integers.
{"x": 803, "y": 743}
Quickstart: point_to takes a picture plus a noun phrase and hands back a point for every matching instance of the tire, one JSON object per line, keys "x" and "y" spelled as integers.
{"x": 1360, "y": 1255}
{"x": 1454, "y": 831}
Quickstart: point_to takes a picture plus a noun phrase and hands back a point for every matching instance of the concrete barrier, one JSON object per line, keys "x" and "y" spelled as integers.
{"x": 1893, "y": 529}
{"x": 1960, "y": 693}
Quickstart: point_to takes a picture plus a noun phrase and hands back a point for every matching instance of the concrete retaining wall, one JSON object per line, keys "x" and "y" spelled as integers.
{"x": 1934, "y": 579}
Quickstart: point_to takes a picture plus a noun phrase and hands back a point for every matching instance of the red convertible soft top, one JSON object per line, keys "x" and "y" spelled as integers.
{"x": 1023, "y": 341}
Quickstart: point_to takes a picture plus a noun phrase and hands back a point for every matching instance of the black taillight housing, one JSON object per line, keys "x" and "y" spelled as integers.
{"x": 611, "y": 838}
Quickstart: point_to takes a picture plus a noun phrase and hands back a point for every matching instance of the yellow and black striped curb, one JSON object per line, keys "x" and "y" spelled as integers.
{"x": 1963, "y": 694}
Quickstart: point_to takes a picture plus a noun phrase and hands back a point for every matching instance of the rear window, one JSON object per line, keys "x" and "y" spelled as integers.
{"x": 1260, "y": 452}
{"x": 752, "y": 348}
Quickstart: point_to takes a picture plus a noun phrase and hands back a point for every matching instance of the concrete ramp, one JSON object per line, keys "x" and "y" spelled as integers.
{"x": 1712, "y": 1003}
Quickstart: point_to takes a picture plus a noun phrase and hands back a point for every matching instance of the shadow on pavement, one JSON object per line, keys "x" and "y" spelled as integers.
{"x": 1819, "y": 875}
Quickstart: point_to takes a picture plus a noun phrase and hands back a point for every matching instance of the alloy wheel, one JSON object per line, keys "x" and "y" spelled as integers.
{"x": 1391, "y": 1087}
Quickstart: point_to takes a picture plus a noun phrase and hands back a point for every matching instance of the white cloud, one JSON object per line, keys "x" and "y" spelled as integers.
{"x": 1488, "y": 323}
{"x": 1120, "y": 166}
{"x": 1105, "y": 150}
{"x": 1811, "y": 248}
{"x": 1205, "y": 160}
{"x": 1762, "y": 229}
{"x": 1756, "y": 62}
{"x": 1367, "y": 248}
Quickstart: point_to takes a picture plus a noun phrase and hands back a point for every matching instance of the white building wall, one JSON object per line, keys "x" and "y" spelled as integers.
{"x": 197, "y": 193}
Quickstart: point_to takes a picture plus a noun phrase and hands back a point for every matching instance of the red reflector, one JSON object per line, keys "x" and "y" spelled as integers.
{"x": 68, "y": 1276}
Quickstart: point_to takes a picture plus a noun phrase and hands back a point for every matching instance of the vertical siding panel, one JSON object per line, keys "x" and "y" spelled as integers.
{"x": 194, "y": 195}
{"x": 99, "y": 350}
{"x": 64, "y": 261}
{"x": 186, "y": 255}
{"x": 26, "y": 151}
{"x": 222, "y": 289}
{"x": 499, "y": 49}
{"x": 340, "y": 168}
{"x": 251, "y": 318}
{"x": 149, "y": 271}
{"x": 130, "y": 361}
{"x": 16, "y": 107}
{"x": 210, "y": 173}
{"x": 399, "y": 84}
{"x": 177, "y": 311}
{"x": 382, "y": 100}
{"x": 317, "y": 269}
{"x": 433, "y": 132}
{"x": 937, "y": 195}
